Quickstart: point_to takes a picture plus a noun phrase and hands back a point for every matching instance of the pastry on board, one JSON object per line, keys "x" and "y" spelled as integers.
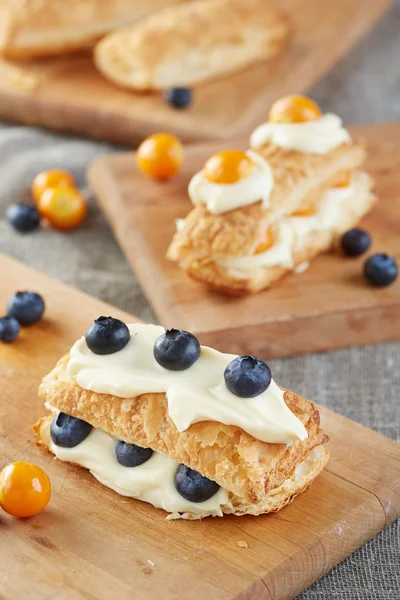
{"x": 36, "y": 28}
{"x": 188, "y": 44}
{"x": 263, "y": 213}
{"x": 214, "y": 423}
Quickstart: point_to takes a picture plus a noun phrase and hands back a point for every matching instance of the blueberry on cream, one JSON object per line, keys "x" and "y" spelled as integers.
{"x": 107, "y": 335}
{"x": 67, "y": 431}
{"x": 26, "y": 307}
{"x": 130, "y": 455}
{"x": 193, "y": 486}
{"x": 247, "y": 376}
{"x": 176, "y": 350}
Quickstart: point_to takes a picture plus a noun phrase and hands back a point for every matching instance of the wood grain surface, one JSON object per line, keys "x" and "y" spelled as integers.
{"x": 91, "y": 543}
{"x": 328, "y": 306}
{"x": 68, "y": 94}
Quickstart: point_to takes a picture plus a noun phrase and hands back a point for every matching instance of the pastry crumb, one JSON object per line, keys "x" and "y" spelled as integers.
{"x": 151, "y": 563}
{"x": 147, "y": 570}
{"x": 242, "y": 544}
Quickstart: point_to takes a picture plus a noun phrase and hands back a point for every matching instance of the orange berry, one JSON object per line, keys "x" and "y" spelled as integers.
{"x": 64, "y": 207}
{"x": 228, "y": 167}
{"x": 50, "y": 179}
{"x": 344, "y": 180}
{"x": 267, "y": 243}
{"x": 25, "y": 489}
{"x": 294, "y": 109}
{"x": 160, "y": 156}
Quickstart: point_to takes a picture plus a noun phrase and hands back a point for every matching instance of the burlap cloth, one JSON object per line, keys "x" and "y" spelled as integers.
{"x": 361, "y": 383}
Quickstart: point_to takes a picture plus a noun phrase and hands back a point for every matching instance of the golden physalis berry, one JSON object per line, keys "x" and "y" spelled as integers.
{"x": 267, "y": 243}
{"x": 294, "y": 109}
{"x": 160, "y": 156}
{"x": 64, "y": 207}
{"x": 25, "y": 489}
{"x": 344, "y": 180}
{"x": 228, "y": 167}
{"x": 50, "y": 179}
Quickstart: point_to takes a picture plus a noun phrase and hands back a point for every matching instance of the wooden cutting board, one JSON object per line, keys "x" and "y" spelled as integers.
{"x": 92, "y": 543}
{"x": 328, "y": 306}
{"x": 70, "y": 95}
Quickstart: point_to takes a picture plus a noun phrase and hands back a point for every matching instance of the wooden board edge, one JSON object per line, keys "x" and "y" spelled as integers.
{"x": 290, "y": 579}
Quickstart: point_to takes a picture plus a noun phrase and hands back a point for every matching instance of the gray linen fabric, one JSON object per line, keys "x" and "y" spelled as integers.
{"x": 361, "y": 383}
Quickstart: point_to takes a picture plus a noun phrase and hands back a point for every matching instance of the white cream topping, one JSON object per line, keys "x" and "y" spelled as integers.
{"x": 315, "y": 137}
{"x": 291, "y": 233}
{"x": 152, "y": 482}
{"x": 223, "y": 197}
{"x": 195, "y": 394}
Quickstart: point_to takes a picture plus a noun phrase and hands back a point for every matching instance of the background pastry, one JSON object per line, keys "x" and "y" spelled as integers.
{"x": 34, "y": 28}
{"x": 241, "y": 237}
{"x": 185, "y": 45}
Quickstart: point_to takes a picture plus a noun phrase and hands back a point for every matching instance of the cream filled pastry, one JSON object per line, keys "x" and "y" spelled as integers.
{"x": 315, "y": 193}
{"x": 154, "y": 415}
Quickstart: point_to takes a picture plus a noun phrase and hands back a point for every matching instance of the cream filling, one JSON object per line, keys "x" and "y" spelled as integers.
{"x": 196, "y": 394}
{"x": 223, "y": 197}
{"x": 291, "y": 234}
{"x": 152, "y": 482}
{"x": 314, "y": 137}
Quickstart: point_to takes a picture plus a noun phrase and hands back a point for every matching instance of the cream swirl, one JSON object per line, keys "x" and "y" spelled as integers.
{"x": 223, "y": 197}
{"x": 291, "y": 234}
{"x": 193, "y": 395}
{"x": 312, "y": 137}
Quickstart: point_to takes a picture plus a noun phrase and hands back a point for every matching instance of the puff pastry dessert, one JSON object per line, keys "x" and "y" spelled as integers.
{"x": 35, "y": 28}
{"x": 155, "y": 416}
{"x": 263, "y": 213}
{"x": 188, "y": 44}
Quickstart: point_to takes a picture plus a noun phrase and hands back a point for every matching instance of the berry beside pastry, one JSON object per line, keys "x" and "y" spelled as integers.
{"x": 155, "y": 416}
{"x": 260, "y": 214}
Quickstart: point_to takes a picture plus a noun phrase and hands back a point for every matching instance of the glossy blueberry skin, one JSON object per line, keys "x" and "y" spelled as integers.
{"x": 23, "y": 217}
{"x": 107, "y": 335}
{"x": 247, "y": 376}
{"x": 176, "y": 350}
{"x": 193, "y": 486}
{"x": 26, "y": 307}
{"x": 67, "y": 431}
{"x": 130, "y": 455}
{"x": 9, "y": 329}
{"x": 178, "y": 97}
{"x": 380, "y": 270}
{"x": 355, "y": 242}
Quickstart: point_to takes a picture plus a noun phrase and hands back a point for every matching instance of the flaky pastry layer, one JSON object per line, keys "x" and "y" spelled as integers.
{"x": 35, "y": 28}
{"x": 192, "y": 249}
{"x": 274, "y": 500}
{"x": 192, "y": 43}
{"x": 247, "y": 467}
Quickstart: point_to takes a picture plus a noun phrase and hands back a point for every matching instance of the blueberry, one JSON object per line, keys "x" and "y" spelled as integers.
{"x": 247, "y": 376}
{"x": 130, "y": 455}
{"x": 9, "y": 329}
{"x": 380, "y": 270}
{"x": 178, "y": 97}
{"x": 23, "y": 217}
{"x": 26, "y": 307}
{"x": 67, "y": 431}
{"x": 107, "y": 335}
{"x": 176, "y": 350}
{"x": 193, "y": 486}
{"x": 355, "y": 242}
